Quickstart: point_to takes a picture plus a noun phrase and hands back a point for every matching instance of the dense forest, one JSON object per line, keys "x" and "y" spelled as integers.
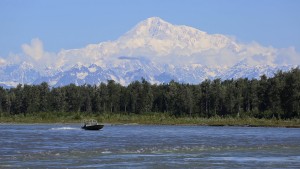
{"x": 276, "y": 97}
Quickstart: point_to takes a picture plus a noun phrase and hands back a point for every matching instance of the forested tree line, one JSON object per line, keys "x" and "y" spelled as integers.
{"x": 276, "y": 97}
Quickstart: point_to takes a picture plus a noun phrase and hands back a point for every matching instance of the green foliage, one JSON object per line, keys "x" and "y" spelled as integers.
{"x": 277, "y": 97}
{"x": 157, "y": 118}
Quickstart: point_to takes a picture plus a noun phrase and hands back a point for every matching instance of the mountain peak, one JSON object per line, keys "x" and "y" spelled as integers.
{"x": 155, "y": 28}
{"x": 153, "y": 21}
{"x": 154, "y": 36}
{"x": 151, "y": 27}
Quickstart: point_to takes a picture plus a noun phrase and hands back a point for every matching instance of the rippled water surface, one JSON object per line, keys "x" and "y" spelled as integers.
{"x": 139, "y": 146}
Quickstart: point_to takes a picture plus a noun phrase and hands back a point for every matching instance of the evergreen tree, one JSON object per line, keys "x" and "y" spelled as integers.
{"x": 291, "y": 94}
{"x": 73, "y": 98}
{"x": 113, "y": 95}
{"x": 44, "y": 91}
{"x": 216, "y": 95}
{"x": 3, "y": 96}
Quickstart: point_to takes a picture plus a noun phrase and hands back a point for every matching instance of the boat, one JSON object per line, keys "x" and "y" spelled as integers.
{"x": 91, "y": 125}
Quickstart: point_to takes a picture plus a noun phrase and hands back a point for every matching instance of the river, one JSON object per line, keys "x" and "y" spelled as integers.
{"x": 147, "y": 146}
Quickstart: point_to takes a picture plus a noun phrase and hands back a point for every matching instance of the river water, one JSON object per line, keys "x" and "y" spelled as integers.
{"x": 146, "y": 146}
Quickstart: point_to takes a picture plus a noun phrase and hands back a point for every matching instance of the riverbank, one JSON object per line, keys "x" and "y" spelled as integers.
{"x": 148, "y": 119}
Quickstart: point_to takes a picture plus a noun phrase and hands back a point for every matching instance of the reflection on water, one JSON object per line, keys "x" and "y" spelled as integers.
{"x": 139, "y": 146}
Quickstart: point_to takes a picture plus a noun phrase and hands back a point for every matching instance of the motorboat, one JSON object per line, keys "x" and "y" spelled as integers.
{"x": 91, "y": 125}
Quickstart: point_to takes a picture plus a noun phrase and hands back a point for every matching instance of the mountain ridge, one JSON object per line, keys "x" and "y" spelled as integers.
{"x": 129, "y": 72}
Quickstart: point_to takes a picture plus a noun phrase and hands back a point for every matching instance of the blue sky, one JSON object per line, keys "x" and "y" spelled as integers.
{"x": 67, "y": 24}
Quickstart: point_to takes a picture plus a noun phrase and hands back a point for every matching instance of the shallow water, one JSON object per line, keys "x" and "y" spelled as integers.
{"x": 144, "y": 146}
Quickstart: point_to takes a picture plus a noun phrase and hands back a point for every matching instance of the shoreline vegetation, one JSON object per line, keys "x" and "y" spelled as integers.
{"x": 148, "y": 119}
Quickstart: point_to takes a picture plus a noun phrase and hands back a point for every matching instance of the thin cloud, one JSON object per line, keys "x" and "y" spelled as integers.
{"x": 288, "y": 56}
{"x": 35, "y": 49}
{"x": 2, "y": 61}
{"x": 35, "y": 54}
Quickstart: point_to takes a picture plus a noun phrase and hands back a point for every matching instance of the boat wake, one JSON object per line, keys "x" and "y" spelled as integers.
{"x": 64, "y": 128}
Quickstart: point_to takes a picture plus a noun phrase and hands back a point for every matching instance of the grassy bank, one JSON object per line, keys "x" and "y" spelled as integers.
{"x": 147, "y": 118}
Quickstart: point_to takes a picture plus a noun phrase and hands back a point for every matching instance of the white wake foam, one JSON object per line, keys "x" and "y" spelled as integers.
{"x": 64, "y": 128}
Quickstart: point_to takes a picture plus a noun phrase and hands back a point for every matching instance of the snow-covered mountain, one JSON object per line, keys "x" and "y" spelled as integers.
{"x": 158, "y": 41}
{"x": 243, "y": 70}
{"x": 14, "y": 74}
{"x": 131, "y": 70}
{"x": 128, "y": 72}
{"x": 154, "y": 50}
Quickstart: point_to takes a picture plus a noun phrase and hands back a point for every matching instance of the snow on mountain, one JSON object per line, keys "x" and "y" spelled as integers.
{"x": 243, "y": 70}
{"x": 13, "y": 74}
{"x": 155, "y": 39}
{"x": 156, "y": 51}
{"x": 163, "y": 38}
{"x": 80, "y": 75}
{"x": 125, "y": 73}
